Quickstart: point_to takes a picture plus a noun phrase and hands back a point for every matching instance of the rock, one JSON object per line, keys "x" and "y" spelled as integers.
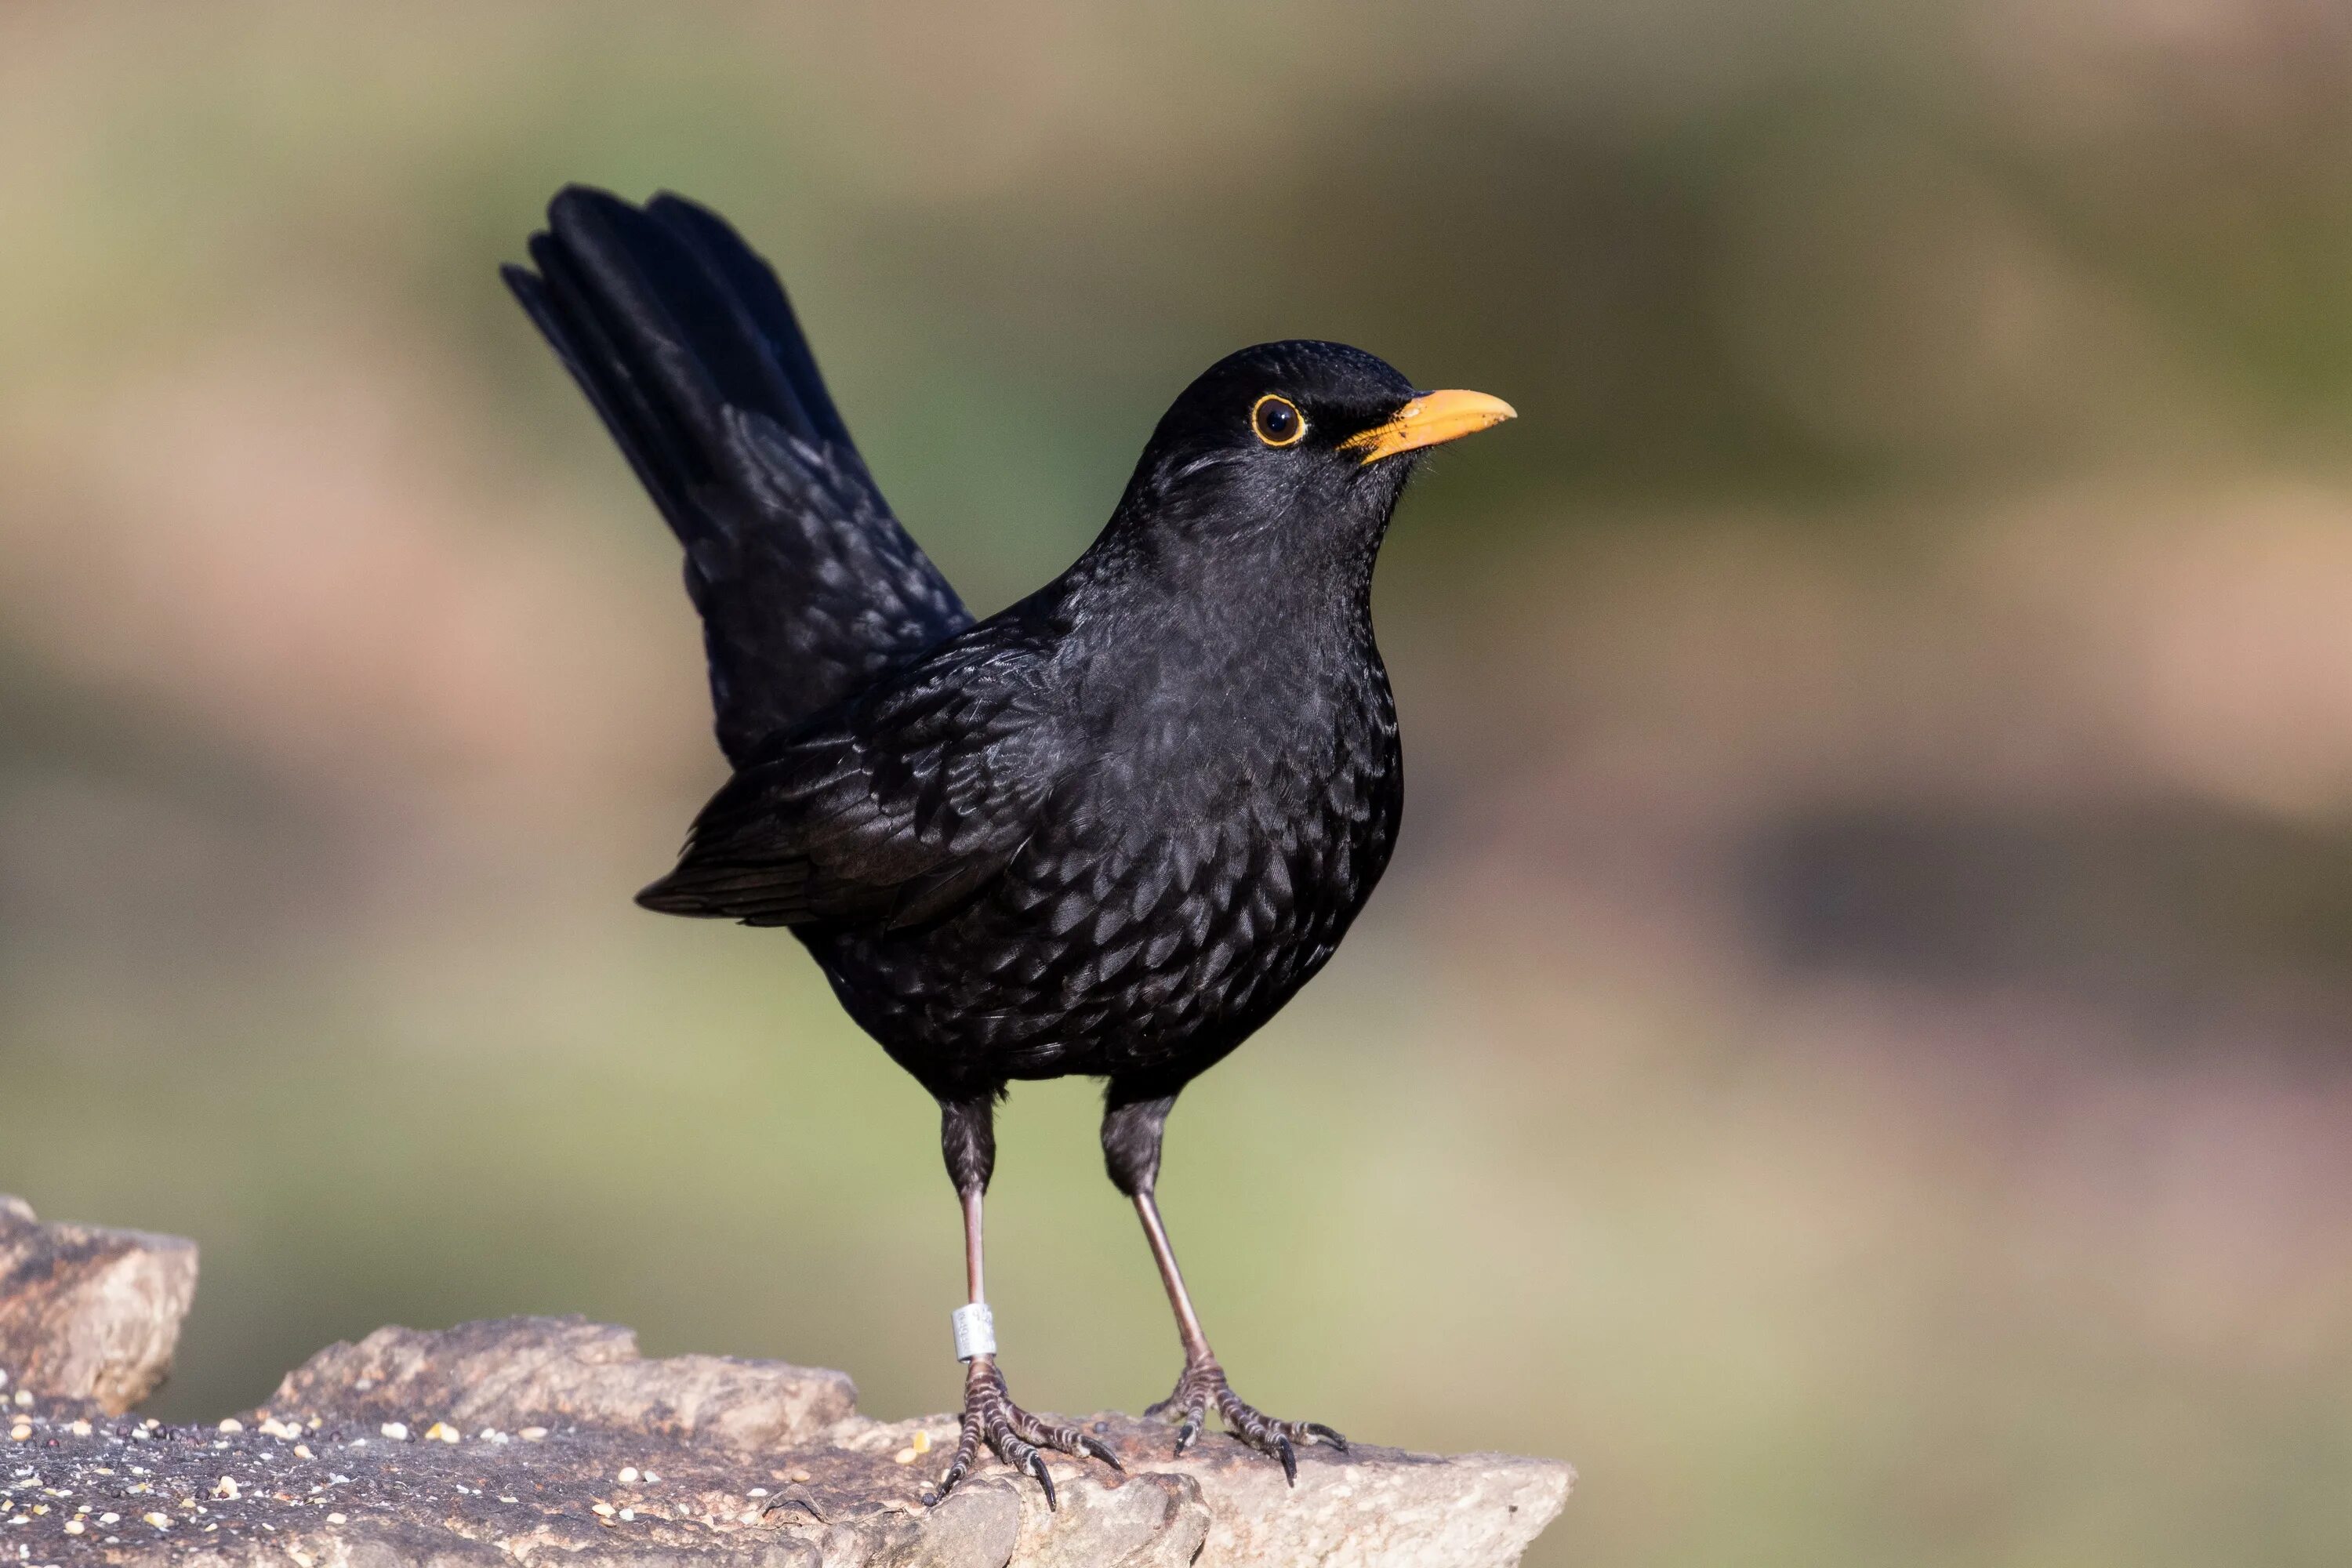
{"x": 551, "y": 1438}
{"x": 89, "y": 1317}
{"x": 564, "y": 1372}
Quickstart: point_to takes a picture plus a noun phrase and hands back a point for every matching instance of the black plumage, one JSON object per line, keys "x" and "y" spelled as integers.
{"x": 1110, "y": 830}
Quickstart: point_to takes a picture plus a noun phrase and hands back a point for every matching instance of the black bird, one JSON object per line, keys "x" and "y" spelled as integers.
{"x": 1110, "y": 830}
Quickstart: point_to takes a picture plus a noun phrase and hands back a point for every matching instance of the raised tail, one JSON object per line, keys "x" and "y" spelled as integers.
{"x": 684, "y": 343}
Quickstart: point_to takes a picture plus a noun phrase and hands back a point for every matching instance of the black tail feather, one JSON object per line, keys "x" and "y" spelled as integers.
{"x": 684, "y": 343}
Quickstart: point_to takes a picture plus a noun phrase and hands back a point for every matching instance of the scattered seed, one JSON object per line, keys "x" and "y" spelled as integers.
{"x": 19, "y": 1432}
{"x": 231, "y": 1424}
{"x": 227, "y": 1489}
{"x": 800, "y": 1476}
{"x": 532, "y": 1434}
{"x": 74, "y": 1527}
{"x": 302, "y": 1451}
{"x": 79, "y": 1428}
{"x": 395, "y": 1430}
{"x": 603, "y": 1510}
{"x": 442, "y": 1431}
{"x": 923, "y": 1442}
{"x": 628, "y": 1515}
{"x": 903, "y": 1457}
{"x": 757, "y": 1491}
{"x": 628, "y": 1477}
{"x": 337, "y": 1518}
{"x": 24, "y": 1399}
{"x": 160, "y": 1522}
{"x": 651, "y": 1477}
{"x": 110, "y": 1518}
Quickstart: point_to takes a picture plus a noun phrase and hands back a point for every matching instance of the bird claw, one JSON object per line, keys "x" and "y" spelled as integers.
{"x": 1012, "y": 1435}
{"x": 1203, "y": 1384}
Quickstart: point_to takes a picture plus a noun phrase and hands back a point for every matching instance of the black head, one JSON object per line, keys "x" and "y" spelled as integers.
{"x": 1300, "y": 446}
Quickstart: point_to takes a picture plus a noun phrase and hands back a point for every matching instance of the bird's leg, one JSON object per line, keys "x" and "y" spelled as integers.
{"x": 967, "y": 1136}
{"x": 1131, "y": 1135}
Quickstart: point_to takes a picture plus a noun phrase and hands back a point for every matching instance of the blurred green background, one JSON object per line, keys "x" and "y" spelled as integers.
{"x": 1851, "y": 1051}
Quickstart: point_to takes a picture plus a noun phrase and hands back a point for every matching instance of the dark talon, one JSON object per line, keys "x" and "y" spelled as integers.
{"x": 1203, "y": 1386}
{"x": 991, "y": 1419}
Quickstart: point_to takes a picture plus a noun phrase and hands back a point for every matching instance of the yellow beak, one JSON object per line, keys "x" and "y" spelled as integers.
{"x": 1432, "y": 418}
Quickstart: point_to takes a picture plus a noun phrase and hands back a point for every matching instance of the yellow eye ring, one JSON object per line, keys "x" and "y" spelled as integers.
{"x": 1276, "y": 420}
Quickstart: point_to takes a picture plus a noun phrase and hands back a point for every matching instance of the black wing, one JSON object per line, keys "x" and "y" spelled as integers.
{"x": 892, "y": 809}
{"x": 682, "y": 338}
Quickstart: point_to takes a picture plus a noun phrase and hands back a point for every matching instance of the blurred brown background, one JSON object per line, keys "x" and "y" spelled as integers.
{"x": 1852, "y": 1049}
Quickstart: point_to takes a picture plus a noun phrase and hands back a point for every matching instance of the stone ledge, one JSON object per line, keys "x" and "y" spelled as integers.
{"x": 550, "y": 1438}
{"x": 89, "y": 1317}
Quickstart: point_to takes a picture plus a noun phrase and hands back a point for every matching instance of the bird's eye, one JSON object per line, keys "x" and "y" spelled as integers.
{"x": 1276, "y": 420}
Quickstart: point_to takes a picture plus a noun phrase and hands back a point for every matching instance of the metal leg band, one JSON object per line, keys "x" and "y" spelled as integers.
{"x": 975, "y": 1331}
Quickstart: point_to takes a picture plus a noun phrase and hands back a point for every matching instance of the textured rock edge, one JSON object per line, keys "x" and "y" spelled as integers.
{"x": 501, "y": 1441}
{"x": 88, "y": 1316}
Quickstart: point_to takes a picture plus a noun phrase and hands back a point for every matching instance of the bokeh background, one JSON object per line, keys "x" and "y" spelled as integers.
{"x": 1851, "y": 1051}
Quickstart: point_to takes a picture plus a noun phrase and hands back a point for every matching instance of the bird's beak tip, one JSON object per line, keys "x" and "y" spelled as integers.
{"x": 1432, "y": 418}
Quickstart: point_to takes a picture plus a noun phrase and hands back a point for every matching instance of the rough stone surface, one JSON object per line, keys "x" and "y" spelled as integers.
{"x": 565, "y": 1371}
{"x": 89, "y": 1317}
{"x": 551, "y": 1438}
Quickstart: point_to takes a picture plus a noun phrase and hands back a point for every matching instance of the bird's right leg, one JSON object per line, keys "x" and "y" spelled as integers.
{"x": 1133, "y": 1122}
{"x": 968, "y": 1139}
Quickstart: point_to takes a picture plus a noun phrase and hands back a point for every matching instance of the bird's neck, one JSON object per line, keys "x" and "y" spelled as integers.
{"x": 1299, "y": 577}
{"x": 1230, "y": 652}
{"x": 1241, "y": 606}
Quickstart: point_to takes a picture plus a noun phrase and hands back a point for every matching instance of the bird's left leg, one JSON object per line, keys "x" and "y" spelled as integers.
{"x": 968, "y": 1139}
{"x": 1131, "y": 1131}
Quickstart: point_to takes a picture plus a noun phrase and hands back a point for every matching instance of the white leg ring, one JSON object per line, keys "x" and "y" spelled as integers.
{"x": 975, "y": 1331}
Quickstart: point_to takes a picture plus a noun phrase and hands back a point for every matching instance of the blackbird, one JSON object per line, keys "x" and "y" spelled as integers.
{"x": 1109, "y": 830}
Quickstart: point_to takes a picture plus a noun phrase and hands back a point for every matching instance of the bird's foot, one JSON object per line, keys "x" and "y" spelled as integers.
{"x": 1015, "y": 1437}
{"x": 1203, "y": 1384}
